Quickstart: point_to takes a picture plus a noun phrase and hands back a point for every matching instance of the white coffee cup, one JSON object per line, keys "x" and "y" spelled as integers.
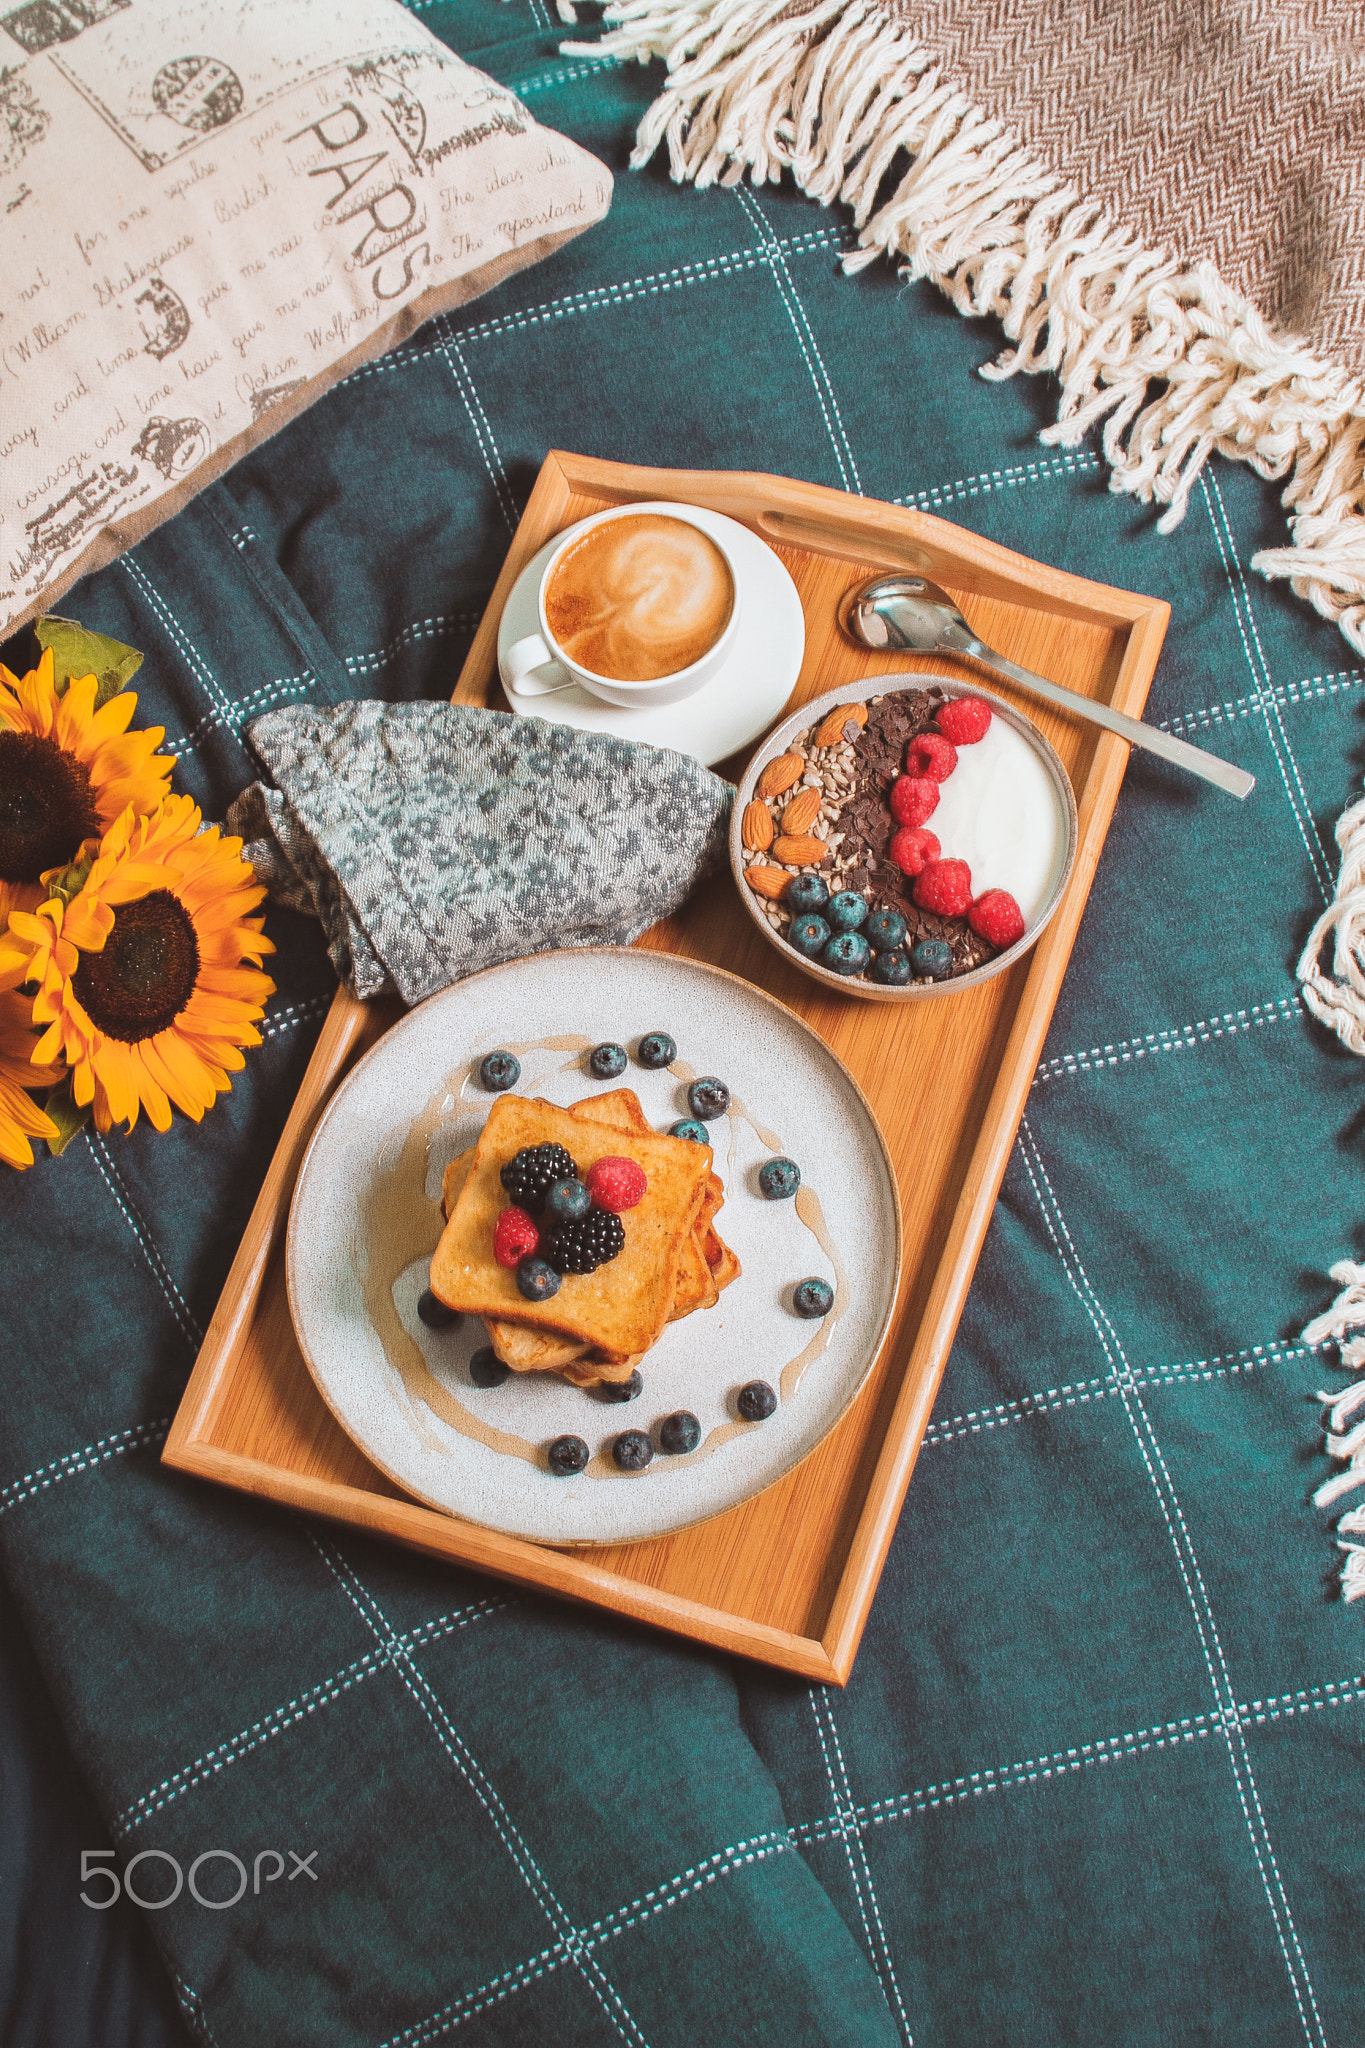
{"x": 526, "y": 662}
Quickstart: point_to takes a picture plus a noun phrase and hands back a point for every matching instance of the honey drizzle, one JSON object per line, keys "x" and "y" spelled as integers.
{"x": 382, "y": 1249}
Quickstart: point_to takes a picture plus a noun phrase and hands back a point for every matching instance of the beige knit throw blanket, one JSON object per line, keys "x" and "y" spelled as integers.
{"x": 1162, "y": 201}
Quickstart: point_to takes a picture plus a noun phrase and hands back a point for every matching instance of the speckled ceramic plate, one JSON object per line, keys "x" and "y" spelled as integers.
{"x": 366, "y": 1219}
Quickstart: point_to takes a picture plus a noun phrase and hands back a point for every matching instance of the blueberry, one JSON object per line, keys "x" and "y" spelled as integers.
{"x": 435, "y": 1314}
{"x": 846, "y": 910}
{"x": 486, "y": 1369}
{"x": 809, "y": 934}
{"x": 884, "y": 930}
{"x": 567, "y": 1455}
{"x": 679, "y": 1433}
{"x": 500, "y": 1070}
{"x": 537, "y": 1281}
{"x": 892, "y": 970}
{"x": 756, "y": 1401}
{"x": 805, "y": 893}
{"x": 622, "y": 1390}
{"x": 932, "y": 958}
{"x": 812, "y": 1298}
{"x": 708, "y": 1098}
{"x": 657, "y": 1050}
{"x": 690, "y": 1128}
{"x": 632, "y": 1450}
{"x": 567, "y": 1201}
{"x": 779, "y": 1179}
{"x": 847, "y": 953}
{"x": 605, "y": 1062}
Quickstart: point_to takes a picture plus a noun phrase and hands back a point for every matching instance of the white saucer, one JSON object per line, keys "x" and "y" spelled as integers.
{"x": 741, "y": 700}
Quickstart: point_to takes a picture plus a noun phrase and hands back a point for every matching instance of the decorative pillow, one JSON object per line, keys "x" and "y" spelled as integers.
{"x": 213, "y": 210}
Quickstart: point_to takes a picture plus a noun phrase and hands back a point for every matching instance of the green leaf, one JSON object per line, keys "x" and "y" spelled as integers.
{"x": 69, "y": 881}
{"x": 66, "y": 1113}
{"x": 78, "y": 652}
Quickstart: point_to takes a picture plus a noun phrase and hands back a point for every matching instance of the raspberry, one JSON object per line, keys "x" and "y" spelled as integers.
{"x": 912, "y": 849}
{"x": 515, "y": 1237}
{"x": 964, "y": 720}
{"x": 913, "y": 799}
{"x": 617, "y": 1184}
{"x": 931, "y": 755}
{"x": 945, "y": 887}
{"x": 996, "y": 918}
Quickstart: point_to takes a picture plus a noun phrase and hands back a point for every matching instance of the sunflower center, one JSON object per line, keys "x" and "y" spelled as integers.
{"x": 146, "y": 974}
{"x": 46, "y": 806}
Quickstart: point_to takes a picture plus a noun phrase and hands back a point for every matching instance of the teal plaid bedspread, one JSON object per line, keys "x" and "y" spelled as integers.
{"x": 1097, "y": 1776}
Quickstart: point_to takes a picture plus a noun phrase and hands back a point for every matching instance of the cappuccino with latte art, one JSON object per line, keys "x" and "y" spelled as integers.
{"x": 639, "y": 597}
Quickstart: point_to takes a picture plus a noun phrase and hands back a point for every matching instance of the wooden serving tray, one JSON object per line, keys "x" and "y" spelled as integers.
{"x": 788, "y": 1577}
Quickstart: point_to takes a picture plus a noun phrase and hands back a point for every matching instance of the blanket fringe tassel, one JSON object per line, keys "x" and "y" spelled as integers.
{"x": 1171, "y": 362}
{"x": 1344, "y": 1418}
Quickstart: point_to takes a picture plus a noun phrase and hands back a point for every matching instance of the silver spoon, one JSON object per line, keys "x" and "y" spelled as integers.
{"x": 907, "y": 611}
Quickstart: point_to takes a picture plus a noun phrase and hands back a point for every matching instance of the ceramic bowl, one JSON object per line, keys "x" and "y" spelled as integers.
{"x": 864, "y": 691}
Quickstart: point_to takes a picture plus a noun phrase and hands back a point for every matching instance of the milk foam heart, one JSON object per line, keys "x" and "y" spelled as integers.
{"x": 640, "y": 597}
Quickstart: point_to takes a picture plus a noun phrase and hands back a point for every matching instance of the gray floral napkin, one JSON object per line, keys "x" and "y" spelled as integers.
{"x": 435, "y": 839}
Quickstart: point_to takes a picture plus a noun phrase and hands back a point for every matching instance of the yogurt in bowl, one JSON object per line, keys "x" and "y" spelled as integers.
{"x": 904, "y": 837}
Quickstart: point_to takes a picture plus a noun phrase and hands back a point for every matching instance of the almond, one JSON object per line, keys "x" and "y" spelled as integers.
{"x": 779, "y": 775}
{"x": 832, "y": 726}
{"x": 802, "y": 812}
{"x": 766, "y": 881}
{"x": 798, "y": 850}
{"x": 756, "y": 828}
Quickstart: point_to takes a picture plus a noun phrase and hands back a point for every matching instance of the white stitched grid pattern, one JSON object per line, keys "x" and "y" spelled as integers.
{"x": 139, "y": 1437}
{"x": 879, "y": 1954}
{"x": 739, "y": 1856}
{"x": 544, "y": 81}
{"x": 704, "y": 271}
{"x": 232, "y": 1747}
{"x": 242, "y": 709}
{"x": 1180, "y": 1038}
{"x": 441, "y": 627}
{"x": 483, "y": 1791}
{"x": 176, "y": 633}
{"x": 1310, "y": 690}
{"x": 1046, "y": 470}
{"x": 1260, "y": 675}
{"x": 1192, "y": 1577}
{"x": 1222, "y": 1365}
{"x": 277, "y": 1022}
{"x": 160, "y": 1272}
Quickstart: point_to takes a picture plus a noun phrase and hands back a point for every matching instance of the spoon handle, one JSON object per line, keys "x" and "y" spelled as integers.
{"x": 1148, "y": 737}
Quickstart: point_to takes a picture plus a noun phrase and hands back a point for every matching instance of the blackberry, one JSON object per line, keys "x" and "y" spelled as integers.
{"x": 529, "y": 1177}
{"x": 581, "y": 1247}
{"x": 756, "y": 1401}
{"x": 657, "y": 1049}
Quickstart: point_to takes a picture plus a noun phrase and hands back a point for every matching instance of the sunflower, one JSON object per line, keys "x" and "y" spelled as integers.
{"x": 138, "y": 956}
{"x": 20, "y": 1116}
{"x": 67, "y": 772}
